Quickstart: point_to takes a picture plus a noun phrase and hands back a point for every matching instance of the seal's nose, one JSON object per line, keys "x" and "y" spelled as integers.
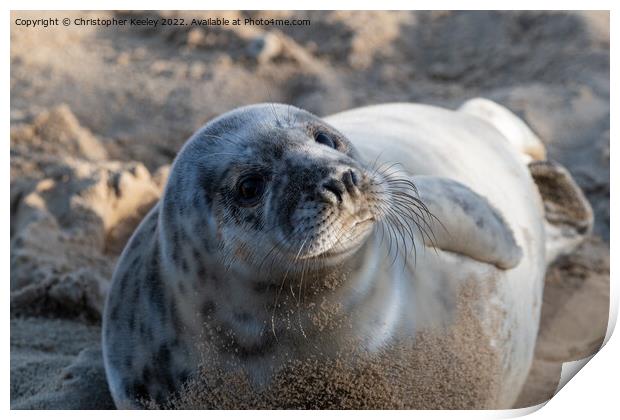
{"x": 336, "y": 188}
{"x": 351, "y": 182}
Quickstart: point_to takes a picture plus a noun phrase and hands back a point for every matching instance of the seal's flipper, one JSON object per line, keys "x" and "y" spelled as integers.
{"x": 568, "y": 214}
{"x": 464, "y": 222}
{"x": 512, "y": 127}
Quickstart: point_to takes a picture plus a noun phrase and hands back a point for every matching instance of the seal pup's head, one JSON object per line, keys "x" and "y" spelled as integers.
{"x": 270, "y": 196}
{"x": 269, "y": 188}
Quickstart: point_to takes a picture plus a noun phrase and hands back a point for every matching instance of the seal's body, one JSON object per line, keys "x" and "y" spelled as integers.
{"x": 282, "y": 236}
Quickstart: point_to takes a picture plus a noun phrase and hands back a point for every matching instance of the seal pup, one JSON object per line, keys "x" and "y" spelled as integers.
{"x": 281, "y": 235}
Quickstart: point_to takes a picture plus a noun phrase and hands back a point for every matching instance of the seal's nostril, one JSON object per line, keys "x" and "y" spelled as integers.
{"x": 336, "y": 187}
{"x": 350, "y": 180}
{"x": 354, "y": 178}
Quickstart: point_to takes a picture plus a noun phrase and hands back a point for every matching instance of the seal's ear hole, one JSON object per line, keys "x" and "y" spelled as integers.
{"x": 568, "y": 213}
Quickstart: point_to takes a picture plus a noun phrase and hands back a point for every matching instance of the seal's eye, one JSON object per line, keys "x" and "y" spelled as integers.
{"x": 325, "y": 139}
{"x": 250, "y": 189}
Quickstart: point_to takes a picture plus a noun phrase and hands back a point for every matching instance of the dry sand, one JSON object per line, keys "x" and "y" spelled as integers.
{"x": 97, "y": 115}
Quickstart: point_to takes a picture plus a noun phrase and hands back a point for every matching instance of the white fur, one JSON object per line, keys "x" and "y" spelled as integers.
{"x": 512, "y": 128}
{"x": 465, "y": 148}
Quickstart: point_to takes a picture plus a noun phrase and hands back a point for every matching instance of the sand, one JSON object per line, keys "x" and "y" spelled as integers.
{"x": 98, "y": 114}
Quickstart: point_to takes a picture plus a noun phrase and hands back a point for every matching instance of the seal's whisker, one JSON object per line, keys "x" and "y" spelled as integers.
{"x": 373, "y": 167}
{"x": 277, "y": 245}
{"x": 379, "y": 205}
{"x": 416, "y": 200}
{"x": 384, "y": 170}
{"x": 392, "y": 239}
{"x": 402, "y": 210}
{"x": 301, "y": 282}
{"x": 414, "y": 217}
{"x": 410, "y": 200}
{"x": 273, "y": 314}
{"x": 396, "y": 227}
{"x": 402, "y": 182}
{"x": 288, "y": 117}
{"x": 342, "y": 234}
{"x": 422, "y": 227}
{"x": 406, "y": 228}
{"x": 412, "y": 203}
{"x": 410, "y": 208}
{"x": 252, "y": 256}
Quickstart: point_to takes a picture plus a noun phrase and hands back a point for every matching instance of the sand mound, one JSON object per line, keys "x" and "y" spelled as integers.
{"x": 56, "y": 132}
{"x": 70, "y": 221}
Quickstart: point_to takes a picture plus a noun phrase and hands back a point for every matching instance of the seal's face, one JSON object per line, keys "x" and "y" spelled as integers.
{"x": 281, "y": 185}
{"x": 320, "y": 203}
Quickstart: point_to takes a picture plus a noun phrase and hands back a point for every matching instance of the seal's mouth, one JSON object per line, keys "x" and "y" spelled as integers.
{"x": 360, "y": 223}
{"x": 340, "y": 254}
{"x": 358, "y": 227}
